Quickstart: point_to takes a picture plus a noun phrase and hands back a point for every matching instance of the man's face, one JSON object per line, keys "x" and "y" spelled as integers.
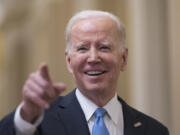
{"x": 94, "y": 58}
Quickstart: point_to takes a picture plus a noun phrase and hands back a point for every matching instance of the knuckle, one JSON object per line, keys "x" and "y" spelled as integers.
{"x": 31, "y": 76}
{"x": 26, "y": 95}
{"x": 25, "y": 91}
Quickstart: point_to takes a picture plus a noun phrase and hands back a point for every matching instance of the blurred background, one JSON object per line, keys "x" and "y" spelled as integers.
{"x": 32, "y": 32}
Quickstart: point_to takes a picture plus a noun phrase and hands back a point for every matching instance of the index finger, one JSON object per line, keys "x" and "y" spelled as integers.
{"x": 43, "y": 69}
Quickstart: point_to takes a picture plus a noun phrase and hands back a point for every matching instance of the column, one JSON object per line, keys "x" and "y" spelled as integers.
{"x": 148, "y": 58}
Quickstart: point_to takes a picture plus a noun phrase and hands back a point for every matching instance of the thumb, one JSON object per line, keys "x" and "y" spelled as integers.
{"x": 43, "y": 69}
{"x": 59, "y": 87}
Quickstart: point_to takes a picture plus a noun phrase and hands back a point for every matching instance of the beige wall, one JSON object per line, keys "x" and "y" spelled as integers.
{"x": 174, "y": 47}
{"x": 34, "y": 32}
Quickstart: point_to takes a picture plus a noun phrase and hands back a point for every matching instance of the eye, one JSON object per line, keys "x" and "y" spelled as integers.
{"x": 82, "y": 49}
{"x": 105, "y": 48}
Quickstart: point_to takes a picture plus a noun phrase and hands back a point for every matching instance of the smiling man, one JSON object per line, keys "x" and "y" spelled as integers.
{"x": 95, "y": 55}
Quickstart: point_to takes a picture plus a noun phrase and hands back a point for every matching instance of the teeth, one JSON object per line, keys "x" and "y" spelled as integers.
{"x": 94, "y": 72}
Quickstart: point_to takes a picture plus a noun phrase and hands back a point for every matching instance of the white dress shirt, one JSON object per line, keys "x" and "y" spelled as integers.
{"x": 114, "y": 119}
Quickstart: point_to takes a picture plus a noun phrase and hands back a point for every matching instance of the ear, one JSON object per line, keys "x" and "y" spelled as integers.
{"x": 68, "y": 62}
{"x": 124, "y": 58}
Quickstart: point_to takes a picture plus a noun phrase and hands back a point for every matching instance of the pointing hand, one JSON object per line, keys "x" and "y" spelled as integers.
{"x": 38, "y": 93}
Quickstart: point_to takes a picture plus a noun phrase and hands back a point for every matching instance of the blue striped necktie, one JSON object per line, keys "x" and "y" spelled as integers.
{"x": 99, "y": 127}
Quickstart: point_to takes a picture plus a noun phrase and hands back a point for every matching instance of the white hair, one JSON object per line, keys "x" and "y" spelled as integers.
{"x": 95, "y": 13}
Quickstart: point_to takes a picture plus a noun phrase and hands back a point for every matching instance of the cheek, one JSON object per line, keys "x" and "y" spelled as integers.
{"x": 114, "y": 60}
{"x": 77, "y": 62}
{"x": 114, "y": 65}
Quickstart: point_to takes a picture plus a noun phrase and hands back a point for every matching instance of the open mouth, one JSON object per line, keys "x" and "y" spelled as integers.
{"x": 95, "y": 73}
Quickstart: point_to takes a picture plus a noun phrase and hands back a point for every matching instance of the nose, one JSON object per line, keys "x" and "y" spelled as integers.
{"x": 93, "y": 56}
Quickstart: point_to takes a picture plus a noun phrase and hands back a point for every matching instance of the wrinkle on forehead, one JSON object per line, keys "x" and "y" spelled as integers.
{"x": 98, "y": 23}
{"x": 97, "y": 26}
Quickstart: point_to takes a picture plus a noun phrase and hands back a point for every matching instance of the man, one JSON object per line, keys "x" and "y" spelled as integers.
{"x": 95, "y": 55}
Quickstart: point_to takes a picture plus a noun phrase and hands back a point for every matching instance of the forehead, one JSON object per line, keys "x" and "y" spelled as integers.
{"x": 94, "y": 25}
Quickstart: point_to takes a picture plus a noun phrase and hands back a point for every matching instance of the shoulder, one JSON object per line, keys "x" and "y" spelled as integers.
{"x": 7, "y": 125}
{"x": 151, "y": 125}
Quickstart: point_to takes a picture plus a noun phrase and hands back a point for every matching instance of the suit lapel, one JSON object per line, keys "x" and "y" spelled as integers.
{"x": 134, "y": 124}
{"x": 72, "y": 116}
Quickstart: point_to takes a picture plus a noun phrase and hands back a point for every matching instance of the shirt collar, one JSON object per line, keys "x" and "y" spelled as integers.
{"x": 113, "y": 107}
{"x": 87, "y": 105}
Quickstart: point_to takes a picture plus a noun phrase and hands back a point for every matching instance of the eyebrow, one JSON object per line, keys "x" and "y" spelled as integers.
{"x": 81, "y": 44}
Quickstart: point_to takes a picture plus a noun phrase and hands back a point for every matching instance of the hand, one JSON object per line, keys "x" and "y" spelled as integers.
{"x": 38, "y": 93}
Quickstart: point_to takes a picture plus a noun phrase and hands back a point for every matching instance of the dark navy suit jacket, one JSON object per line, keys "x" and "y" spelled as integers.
{"x": 65, "y": 117}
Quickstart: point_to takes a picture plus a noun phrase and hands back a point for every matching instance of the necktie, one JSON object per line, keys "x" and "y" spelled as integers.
{"x": 99, "y": 128}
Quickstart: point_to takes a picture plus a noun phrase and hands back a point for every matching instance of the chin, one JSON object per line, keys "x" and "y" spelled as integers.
{"x": 95, "y": 88}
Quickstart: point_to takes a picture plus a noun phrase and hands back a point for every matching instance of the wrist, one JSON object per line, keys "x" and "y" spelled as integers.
{"x": 30, "y": 113}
